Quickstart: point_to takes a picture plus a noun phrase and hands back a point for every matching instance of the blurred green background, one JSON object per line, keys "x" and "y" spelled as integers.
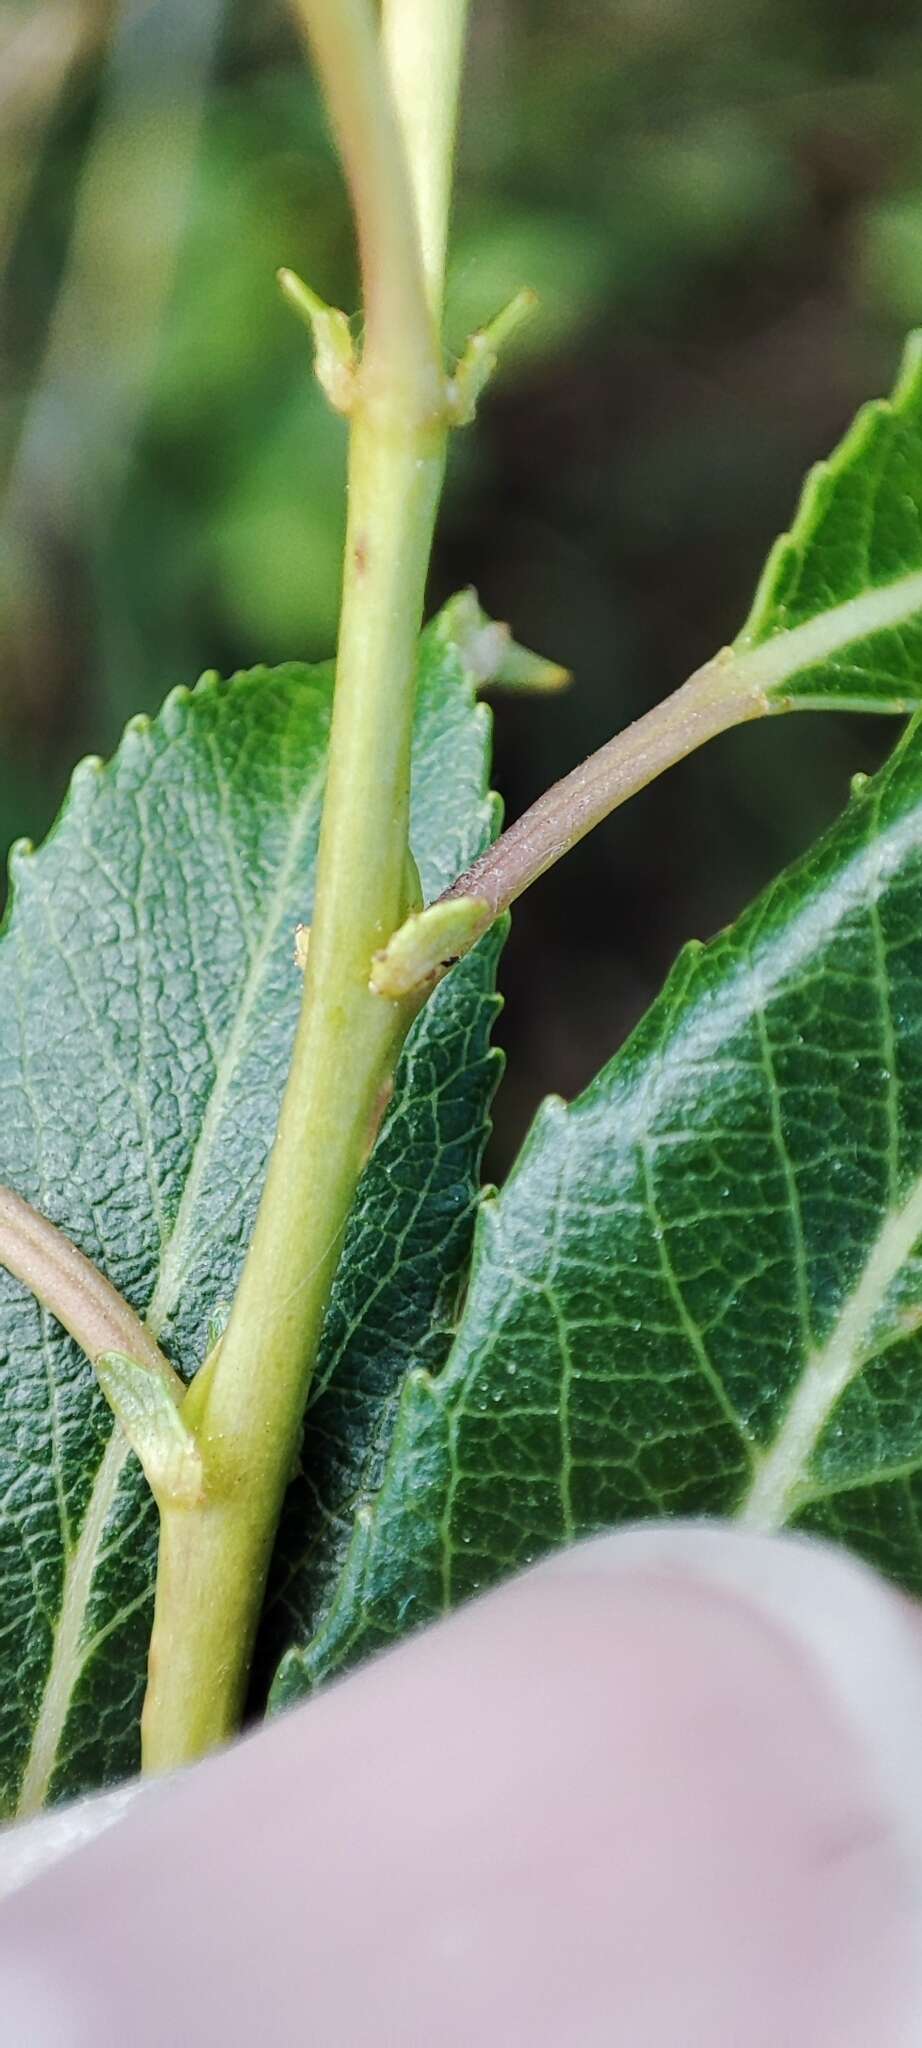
{"x": 721, "y": 208}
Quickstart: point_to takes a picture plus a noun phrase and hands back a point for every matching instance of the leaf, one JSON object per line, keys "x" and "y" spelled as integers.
{"x": 837, "y": 617}
{"x": 148, "y": 995}
{"x": 700, "y": 1291}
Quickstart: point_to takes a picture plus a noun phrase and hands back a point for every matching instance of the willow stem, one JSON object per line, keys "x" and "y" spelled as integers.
{"x": 246, "y": 1407}
{"x": 399, "y": 331}
{"x": 424, "y": 50}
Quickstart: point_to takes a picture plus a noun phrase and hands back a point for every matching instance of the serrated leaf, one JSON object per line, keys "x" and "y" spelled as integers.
{"x": 701, "y": 1290}
{"x": 837, "y": 617}
{"x": 148, "y": 995}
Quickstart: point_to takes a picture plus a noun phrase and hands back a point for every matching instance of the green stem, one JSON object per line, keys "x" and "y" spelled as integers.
{"x": 246, "y": 1407}
{"x": 424, "y": 48}
{"x": 247, "y": 1410}
{"x": 399, "y": 331}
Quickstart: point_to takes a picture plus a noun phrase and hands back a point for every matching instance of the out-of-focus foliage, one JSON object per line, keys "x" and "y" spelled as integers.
{"x": 721, "y": 207}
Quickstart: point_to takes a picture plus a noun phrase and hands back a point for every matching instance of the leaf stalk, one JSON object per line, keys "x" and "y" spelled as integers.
{"x": 74, "y": 1291}
{"x": 145, "y": 1394}
{"x": 715, "y": 698}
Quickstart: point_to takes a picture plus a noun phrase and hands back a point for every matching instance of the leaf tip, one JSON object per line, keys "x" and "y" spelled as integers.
{"x": 87, "y": 771}
{"x": 180, "y": 697}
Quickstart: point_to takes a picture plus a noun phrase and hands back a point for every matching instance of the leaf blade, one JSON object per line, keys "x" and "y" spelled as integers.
{"x": 148, "y": 995}
{"x": 701, "y": 1290}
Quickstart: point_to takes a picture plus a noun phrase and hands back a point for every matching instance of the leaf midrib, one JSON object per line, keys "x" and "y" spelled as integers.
{"x": 781, "y": 1483}
{"x": 66, "y": 1659}
{"x": 787, "y": 652}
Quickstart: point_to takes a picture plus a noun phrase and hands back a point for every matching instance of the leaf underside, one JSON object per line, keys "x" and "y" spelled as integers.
{"x": 148, "y": 996}
{"x": 700, "y": 1291}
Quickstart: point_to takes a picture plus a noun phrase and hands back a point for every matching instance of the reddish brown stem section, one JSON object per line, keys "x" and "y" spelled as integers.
{"x": 710, "y": 702}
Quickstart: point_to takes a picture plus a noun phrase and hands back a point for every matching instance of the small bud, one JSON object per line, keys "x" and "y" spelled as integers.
{"x": 153, "y": 1424}
{"x": 490, "y": 656}
{"x": 427, "y": 944}
{"x": 482, "y": 355}
{"x": 334, "y": 352}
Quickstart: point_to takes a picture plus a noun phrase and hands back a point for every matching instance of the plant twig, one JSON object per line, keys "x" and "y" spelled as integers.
{"x": 399, "y": 331}
{"x": 74, "y": 1291}
{"x": 715, "y": 698}
{"x": 145, "y": 1394}
{"x": 246, "y": 1406}
{"x": 424, "y": 49}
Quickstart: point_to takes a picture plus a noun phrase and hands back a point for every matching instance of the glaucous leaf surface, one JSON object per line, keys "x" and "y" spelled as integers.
{"x": 148, "y": 996}
{"x": 700, "y": 1291}
{"x": 837, "y": 617}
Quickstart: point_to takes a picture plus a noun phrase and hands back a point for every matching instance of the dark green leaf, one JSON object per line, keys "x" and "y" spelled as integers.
{"x": 148, "y": 995}
{"x": 701, "y": 1290}
{"x": 837, "y": 618}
